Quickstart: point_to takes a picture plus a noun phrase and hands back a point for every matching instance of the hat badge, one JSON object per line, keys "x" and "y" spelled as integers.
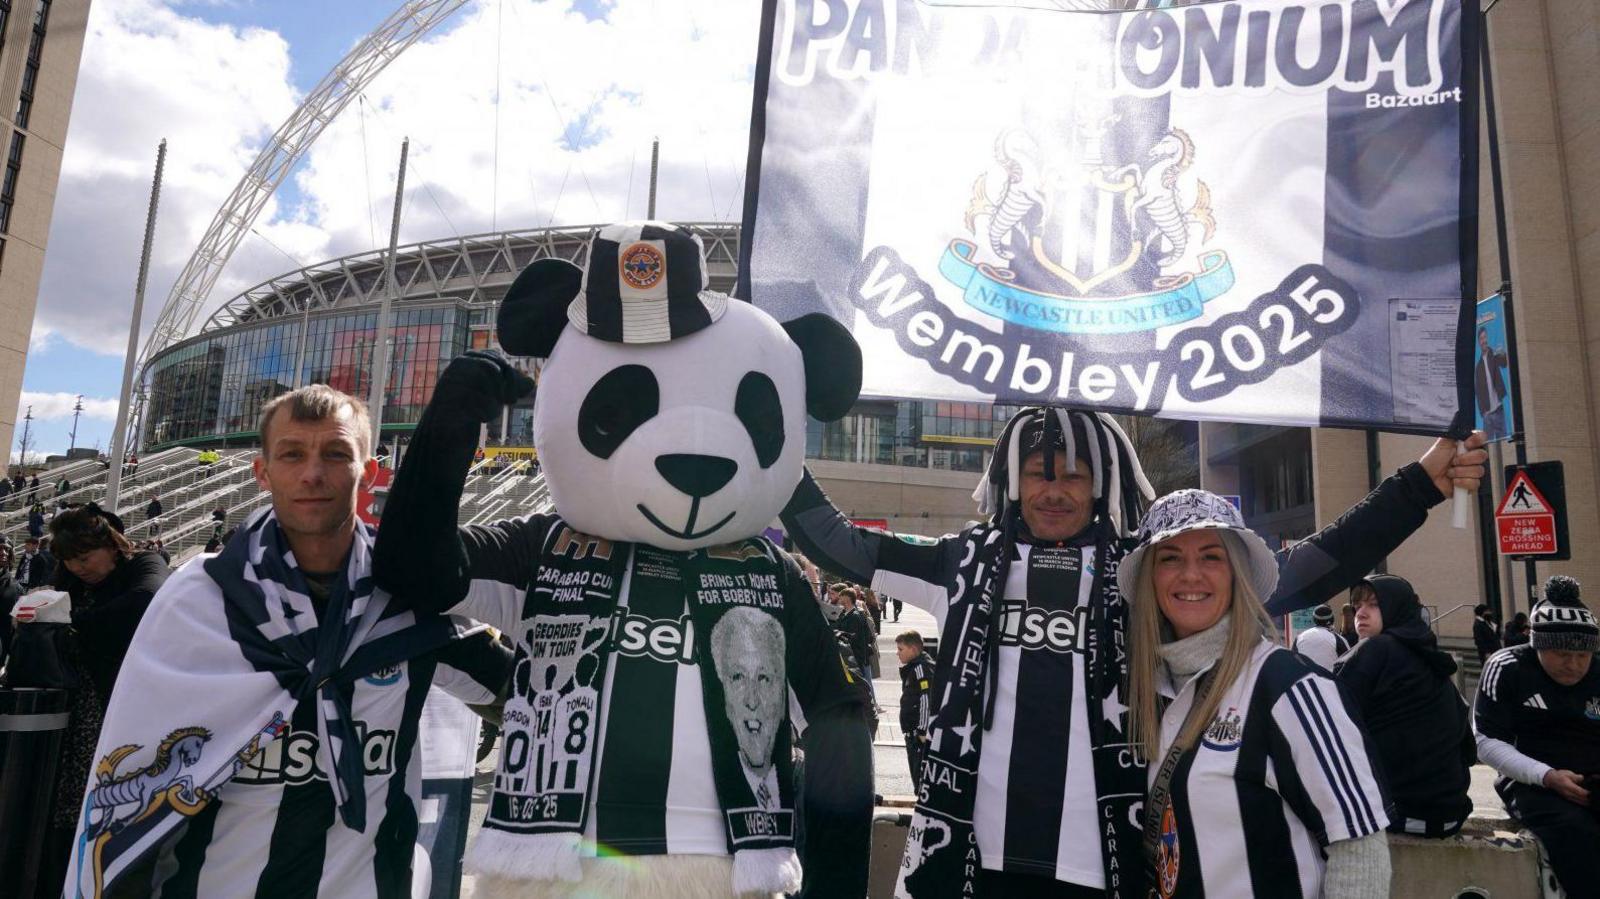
{"x": 643, "y": 266}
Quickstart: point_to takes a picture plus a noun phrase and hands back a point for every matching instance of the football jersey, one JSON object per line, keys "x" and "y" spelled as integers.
{"x": 281, "y": 799}
{"x": 1033, "y": 813}
{"x": 1281, "y": 772}
{"x": 1520, "y": 704}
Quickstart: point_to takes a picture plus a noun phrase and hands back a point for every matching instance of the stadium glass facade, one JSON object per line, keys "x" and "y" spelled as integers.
{"x": 211, "y": 389}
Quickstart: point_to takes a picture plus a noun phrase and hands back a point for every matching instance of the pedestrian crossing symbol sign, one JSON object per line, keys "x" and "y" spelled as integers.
{"x": 1525, "y": 521}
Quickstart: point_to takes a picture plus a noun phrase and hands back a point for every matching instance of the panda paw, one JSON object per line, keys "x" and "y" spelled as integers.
{"x": 478, "y": 383}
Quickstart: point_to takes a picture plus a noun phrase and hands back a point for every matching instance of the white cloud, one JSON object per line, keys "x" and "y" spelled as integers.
{"x": 149, "y": 73}
{"x": 679, "y": 69}
{"x": 616, "y": 82}
{"x": 54, "y": 406}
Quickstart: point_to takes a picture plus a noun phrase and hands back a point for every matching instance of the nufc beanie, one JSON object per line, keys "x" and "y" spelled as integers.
{"x": 1561, "y": 621}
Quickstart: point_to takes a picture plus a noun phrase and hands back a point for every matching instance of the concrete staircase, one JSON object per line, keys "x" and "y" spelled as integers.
{"x": 190, "y": 492}
{"x": 494, "y": 494}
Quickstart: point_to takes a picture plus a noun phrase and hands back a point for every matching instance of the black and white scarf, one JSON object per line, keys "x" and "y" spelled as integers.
{"x": 543, "y": 796}
{"x": 226, "y": 653}
{"x": 941, "y": 858}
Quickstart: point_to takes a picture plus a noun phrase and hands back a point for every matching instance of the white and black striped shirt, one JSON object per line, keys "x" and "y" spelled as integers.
{"x": 1034, "y": 811}
{"x": 274, "y": 830}
{"x": 1282, "y": 772}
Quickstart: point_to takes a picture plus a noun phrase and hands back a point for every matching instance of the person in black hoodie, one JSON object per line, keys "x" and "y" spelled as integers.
{"x": 1417, "y": 719}
{"x": 111, "y": 585}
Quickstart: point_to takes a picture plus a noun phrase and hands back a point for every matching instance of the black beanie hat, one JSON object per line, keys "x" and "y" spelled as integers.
{"x": 1562, "y": 621}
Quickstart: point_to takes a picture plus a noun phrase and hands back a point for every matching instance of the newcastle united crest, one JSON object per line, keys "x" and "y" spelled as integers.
{"x": 1103, "y": 232}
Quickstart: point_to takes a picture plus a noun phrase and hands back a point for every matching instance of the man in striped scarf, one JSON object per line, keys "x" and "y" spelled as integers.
{"x": 262, "y": 737}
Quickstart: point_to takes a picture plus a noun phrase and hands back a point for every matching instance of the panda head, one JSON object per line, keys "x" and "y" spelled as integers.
{"x": 666, "y": 413}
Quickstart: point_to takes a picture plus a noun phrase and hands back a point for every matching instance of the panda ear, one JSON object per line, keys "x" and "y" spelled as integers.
{"x": 833, "y": 364}
{"x": 534, "y": 311}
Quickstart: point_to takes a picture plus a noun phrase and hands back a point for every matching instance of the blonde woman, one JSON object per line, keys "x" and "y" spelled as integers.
{"x": 1261, "y": 784}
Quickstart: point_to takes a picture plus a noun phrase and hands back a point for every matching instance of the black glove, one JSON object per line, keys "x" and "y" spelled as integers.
{"x": 478, "y": 384}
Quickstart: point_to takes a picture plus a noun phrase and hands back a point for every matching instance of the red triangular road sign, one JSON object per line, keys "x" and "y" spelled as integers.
{"x": 1522, "y": 498}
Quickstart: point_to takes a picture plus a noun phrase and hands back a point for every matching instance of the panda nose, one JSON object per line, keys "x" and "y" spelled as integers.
{"x": 696, "y": 475}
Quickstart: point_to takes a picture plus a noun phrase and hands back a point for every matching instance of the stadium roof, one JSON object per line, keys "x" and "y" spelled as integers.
{"x": 458, "y": 267}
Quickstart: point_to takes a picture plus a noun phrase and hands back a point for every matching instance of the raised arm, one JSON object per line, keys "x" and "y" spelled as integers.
{"x": 918, "y": 570}
{"x": 1333, "y": 559}
{"x": 420, "y": 555}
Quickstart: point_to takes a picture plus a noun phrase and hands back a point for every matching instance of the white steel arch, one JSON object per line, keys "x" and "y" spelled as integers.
{"x": 289, "y": 143}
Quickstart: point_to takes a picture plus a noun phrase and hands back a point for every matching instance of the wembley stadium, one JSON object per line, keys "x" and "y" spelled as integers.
{"x": 319, "y": 325}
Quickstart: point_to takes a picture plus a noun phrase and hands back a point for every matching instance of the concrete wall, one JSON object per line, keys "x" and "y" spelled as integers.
{"x": 23, "y": 260}
{"x": 1547, "y": 78}
{"x": 1442, "y": 562}
{"x": 921, "y": 501}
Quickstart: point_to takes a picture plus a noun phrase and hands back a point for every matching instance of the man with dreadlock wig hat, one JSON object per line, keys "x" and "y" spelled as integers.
{"x": 1030, "y": 786}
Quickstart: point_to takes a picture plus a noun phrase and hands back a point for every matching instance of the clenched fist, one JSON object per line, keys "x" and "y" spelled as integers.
{"x": 478, "y": 384}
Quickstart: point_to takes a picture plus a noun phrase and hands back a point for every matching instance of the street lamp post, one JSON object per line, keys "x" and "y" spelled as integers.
{"x": 72, "y": 437}
{"x": 26, "y": 441}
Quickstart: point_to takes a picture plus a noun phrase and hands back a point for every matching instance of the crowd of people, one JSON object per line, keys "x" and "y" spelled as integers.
{"x": 1535, "y": 718}
{"x": 87, "y": 565}
{"x": 1105, "y": 708}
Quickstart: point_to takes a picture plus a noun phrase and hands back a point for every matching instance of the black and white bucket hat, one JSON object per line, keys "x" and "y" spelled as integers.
{"x": 646, "y": 282}
{"x": 1192, "y": 510}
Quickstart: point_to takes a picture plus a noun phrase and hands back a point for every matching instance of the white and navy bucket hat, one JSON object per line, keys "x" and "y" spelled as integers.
{"x": 1192, "y": 510}
{"x": 646, "y": 282}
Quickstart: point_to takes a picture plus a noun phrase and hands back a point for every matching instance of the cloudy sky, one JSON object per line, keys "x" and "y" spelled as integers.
{"x": 576, "y": 89}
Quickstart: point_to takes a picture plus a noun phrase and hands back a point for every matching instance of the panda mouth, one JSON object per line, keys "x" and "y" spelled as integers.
{"x": 688, "y": 532}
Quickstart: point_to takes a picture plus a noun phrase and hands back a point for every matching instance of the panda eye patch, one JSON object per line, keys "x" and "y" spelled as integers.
{"x": 761, "y": 412}
{"x": 622, "y": 400}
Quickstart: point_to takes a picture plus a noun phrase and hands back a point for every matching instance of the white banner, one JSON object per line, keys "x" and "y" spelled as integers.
{"x": 1211, "y": 211}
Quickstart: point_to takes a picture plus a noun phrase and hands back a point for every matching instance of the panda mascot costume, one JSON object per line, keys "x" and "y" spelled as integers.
{"x": 666, "y": 651}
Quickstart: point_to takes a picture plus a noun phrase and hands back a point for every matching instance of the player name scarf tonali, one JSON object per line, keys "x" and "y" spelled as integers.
{"x": 941, "y": 857}
{"x": 544, "y": 783}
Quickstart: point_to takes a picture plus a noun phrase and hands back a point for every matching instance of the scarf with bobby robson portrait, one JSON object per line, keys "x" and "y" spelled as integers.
{"x": 941, "y": 859}
{"x": 573, "y": 616}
